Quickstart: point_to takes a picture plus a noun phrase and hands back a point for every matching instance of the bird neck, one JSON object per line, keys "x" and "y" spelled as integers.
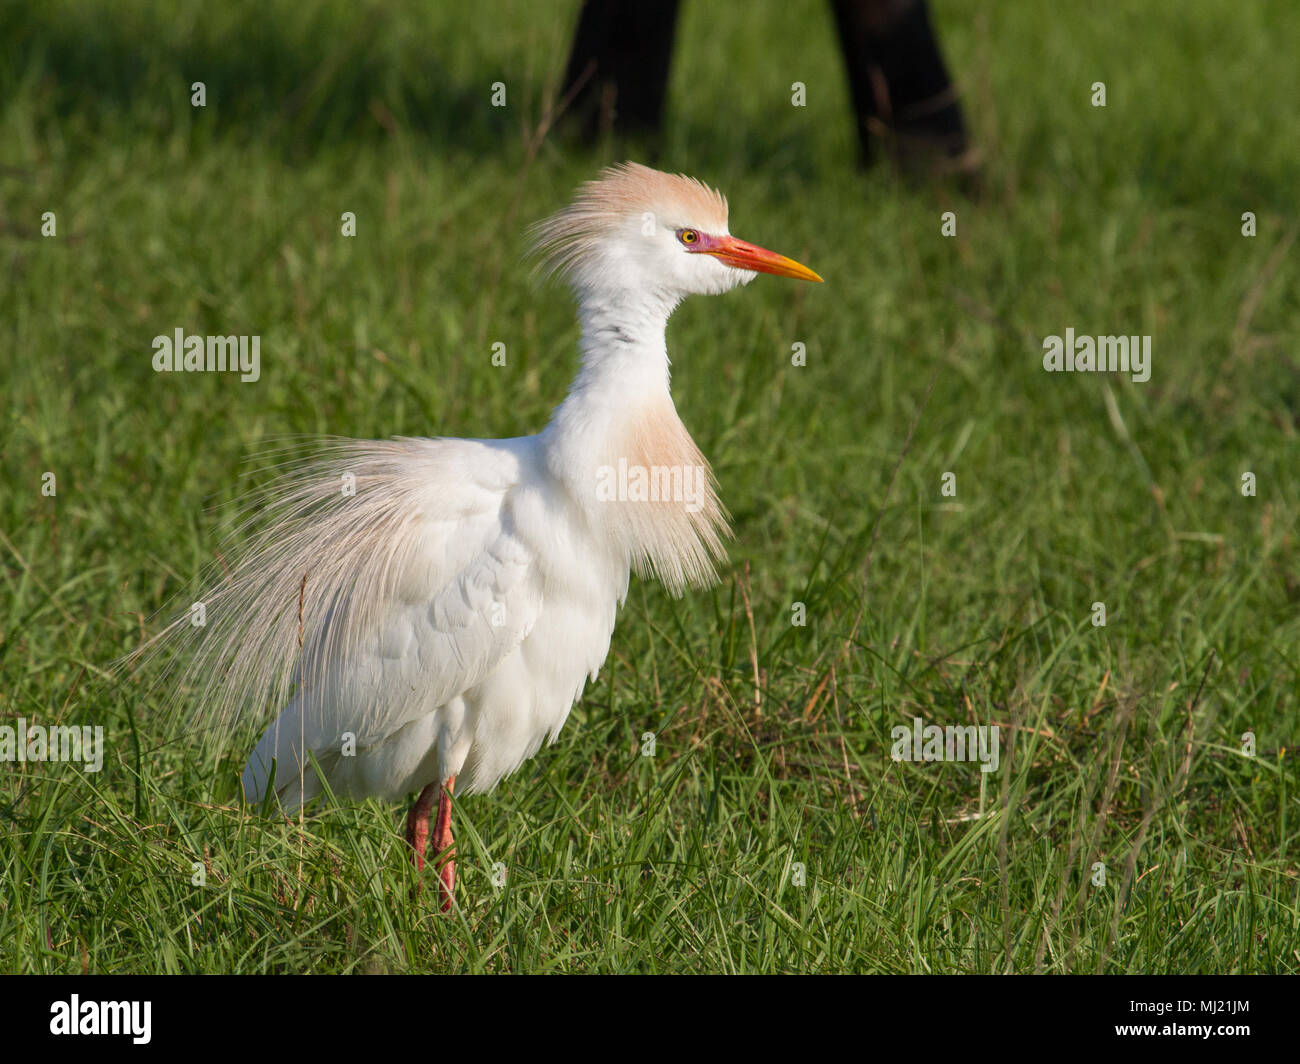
{"x": 623, "y": 454}
{"x": 623, "y": 347}
{"x": 623, "y": 373}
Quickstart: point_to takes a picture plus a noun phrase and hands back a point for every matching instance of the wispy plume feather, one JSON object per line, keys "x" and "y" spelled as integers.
{"x": 319, "y": 572}
{"x": 601, "y": 206}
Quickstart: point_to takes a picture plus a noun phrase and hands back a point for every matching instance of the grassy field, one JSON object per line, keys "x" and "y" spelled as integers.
{"x": 771, "y": 831}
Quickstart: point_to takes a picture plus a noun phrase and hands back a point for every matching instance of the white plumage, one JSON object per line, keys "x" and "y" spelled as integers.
{"x": 428, "y": 610}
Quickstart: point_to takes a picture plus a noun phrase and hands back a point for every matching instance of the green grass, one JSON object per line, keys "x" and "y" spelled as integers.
{"x": 1121, "y": 744}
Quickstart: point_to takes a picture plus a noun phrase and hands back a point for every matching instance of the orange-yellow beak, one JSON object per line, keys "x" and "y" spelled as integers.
{"x": 752, "y": 257}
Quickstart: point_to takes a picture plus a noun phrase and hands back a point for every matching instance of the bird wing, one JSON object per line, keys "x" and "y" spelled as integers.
{"x": 390, "y": 578}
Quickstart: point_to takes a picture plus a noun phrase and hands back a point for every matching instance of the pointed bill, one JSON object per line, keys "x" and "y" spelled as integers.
{"x": 746, "y": 256}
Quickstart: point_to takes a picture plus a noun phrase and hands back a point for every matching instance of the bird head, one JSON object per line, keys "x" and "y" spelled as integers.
{"x": 637, "y": 230}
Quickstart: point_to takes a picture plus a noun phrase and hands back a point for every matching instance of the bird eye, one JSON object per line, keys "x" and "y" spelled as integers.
{"x": 688, "y": 236}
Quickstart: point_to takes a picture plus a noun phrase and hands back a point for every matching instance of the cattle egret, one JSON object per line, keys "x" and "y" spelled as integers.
{"x": 428, "y": 610}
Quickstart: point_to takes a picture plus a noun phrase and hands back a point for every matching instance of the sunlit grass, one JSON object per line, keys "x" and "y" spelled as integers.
{"x": 1121, "y": 744}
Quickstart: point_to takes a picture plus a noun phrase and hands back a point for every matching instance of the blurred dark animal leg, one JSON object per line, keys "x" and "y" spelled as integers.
{"x": 903, "y": 97}
{"x": 617, "y": 73}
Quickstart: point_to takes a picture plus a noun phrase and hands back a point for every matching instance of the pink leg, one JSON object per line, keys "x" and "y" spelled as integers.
{"x": 417, "y": 824}
{"x": 442, "y": 844}
{"x": 417, "y": 835}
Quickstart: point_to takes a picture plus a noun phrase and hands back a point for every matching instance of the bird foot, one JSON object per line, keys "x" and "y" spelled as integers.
{"x": 417, "y": 836}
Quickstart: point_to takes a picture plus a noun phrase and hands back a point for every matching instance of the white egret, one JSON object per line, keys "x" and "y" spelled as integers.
{"x": 428, "y": 610}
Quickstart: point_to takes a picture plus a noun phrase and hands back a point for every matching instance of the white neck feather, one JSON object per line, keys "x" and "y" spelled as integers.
{"x": 617, "y": 424}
